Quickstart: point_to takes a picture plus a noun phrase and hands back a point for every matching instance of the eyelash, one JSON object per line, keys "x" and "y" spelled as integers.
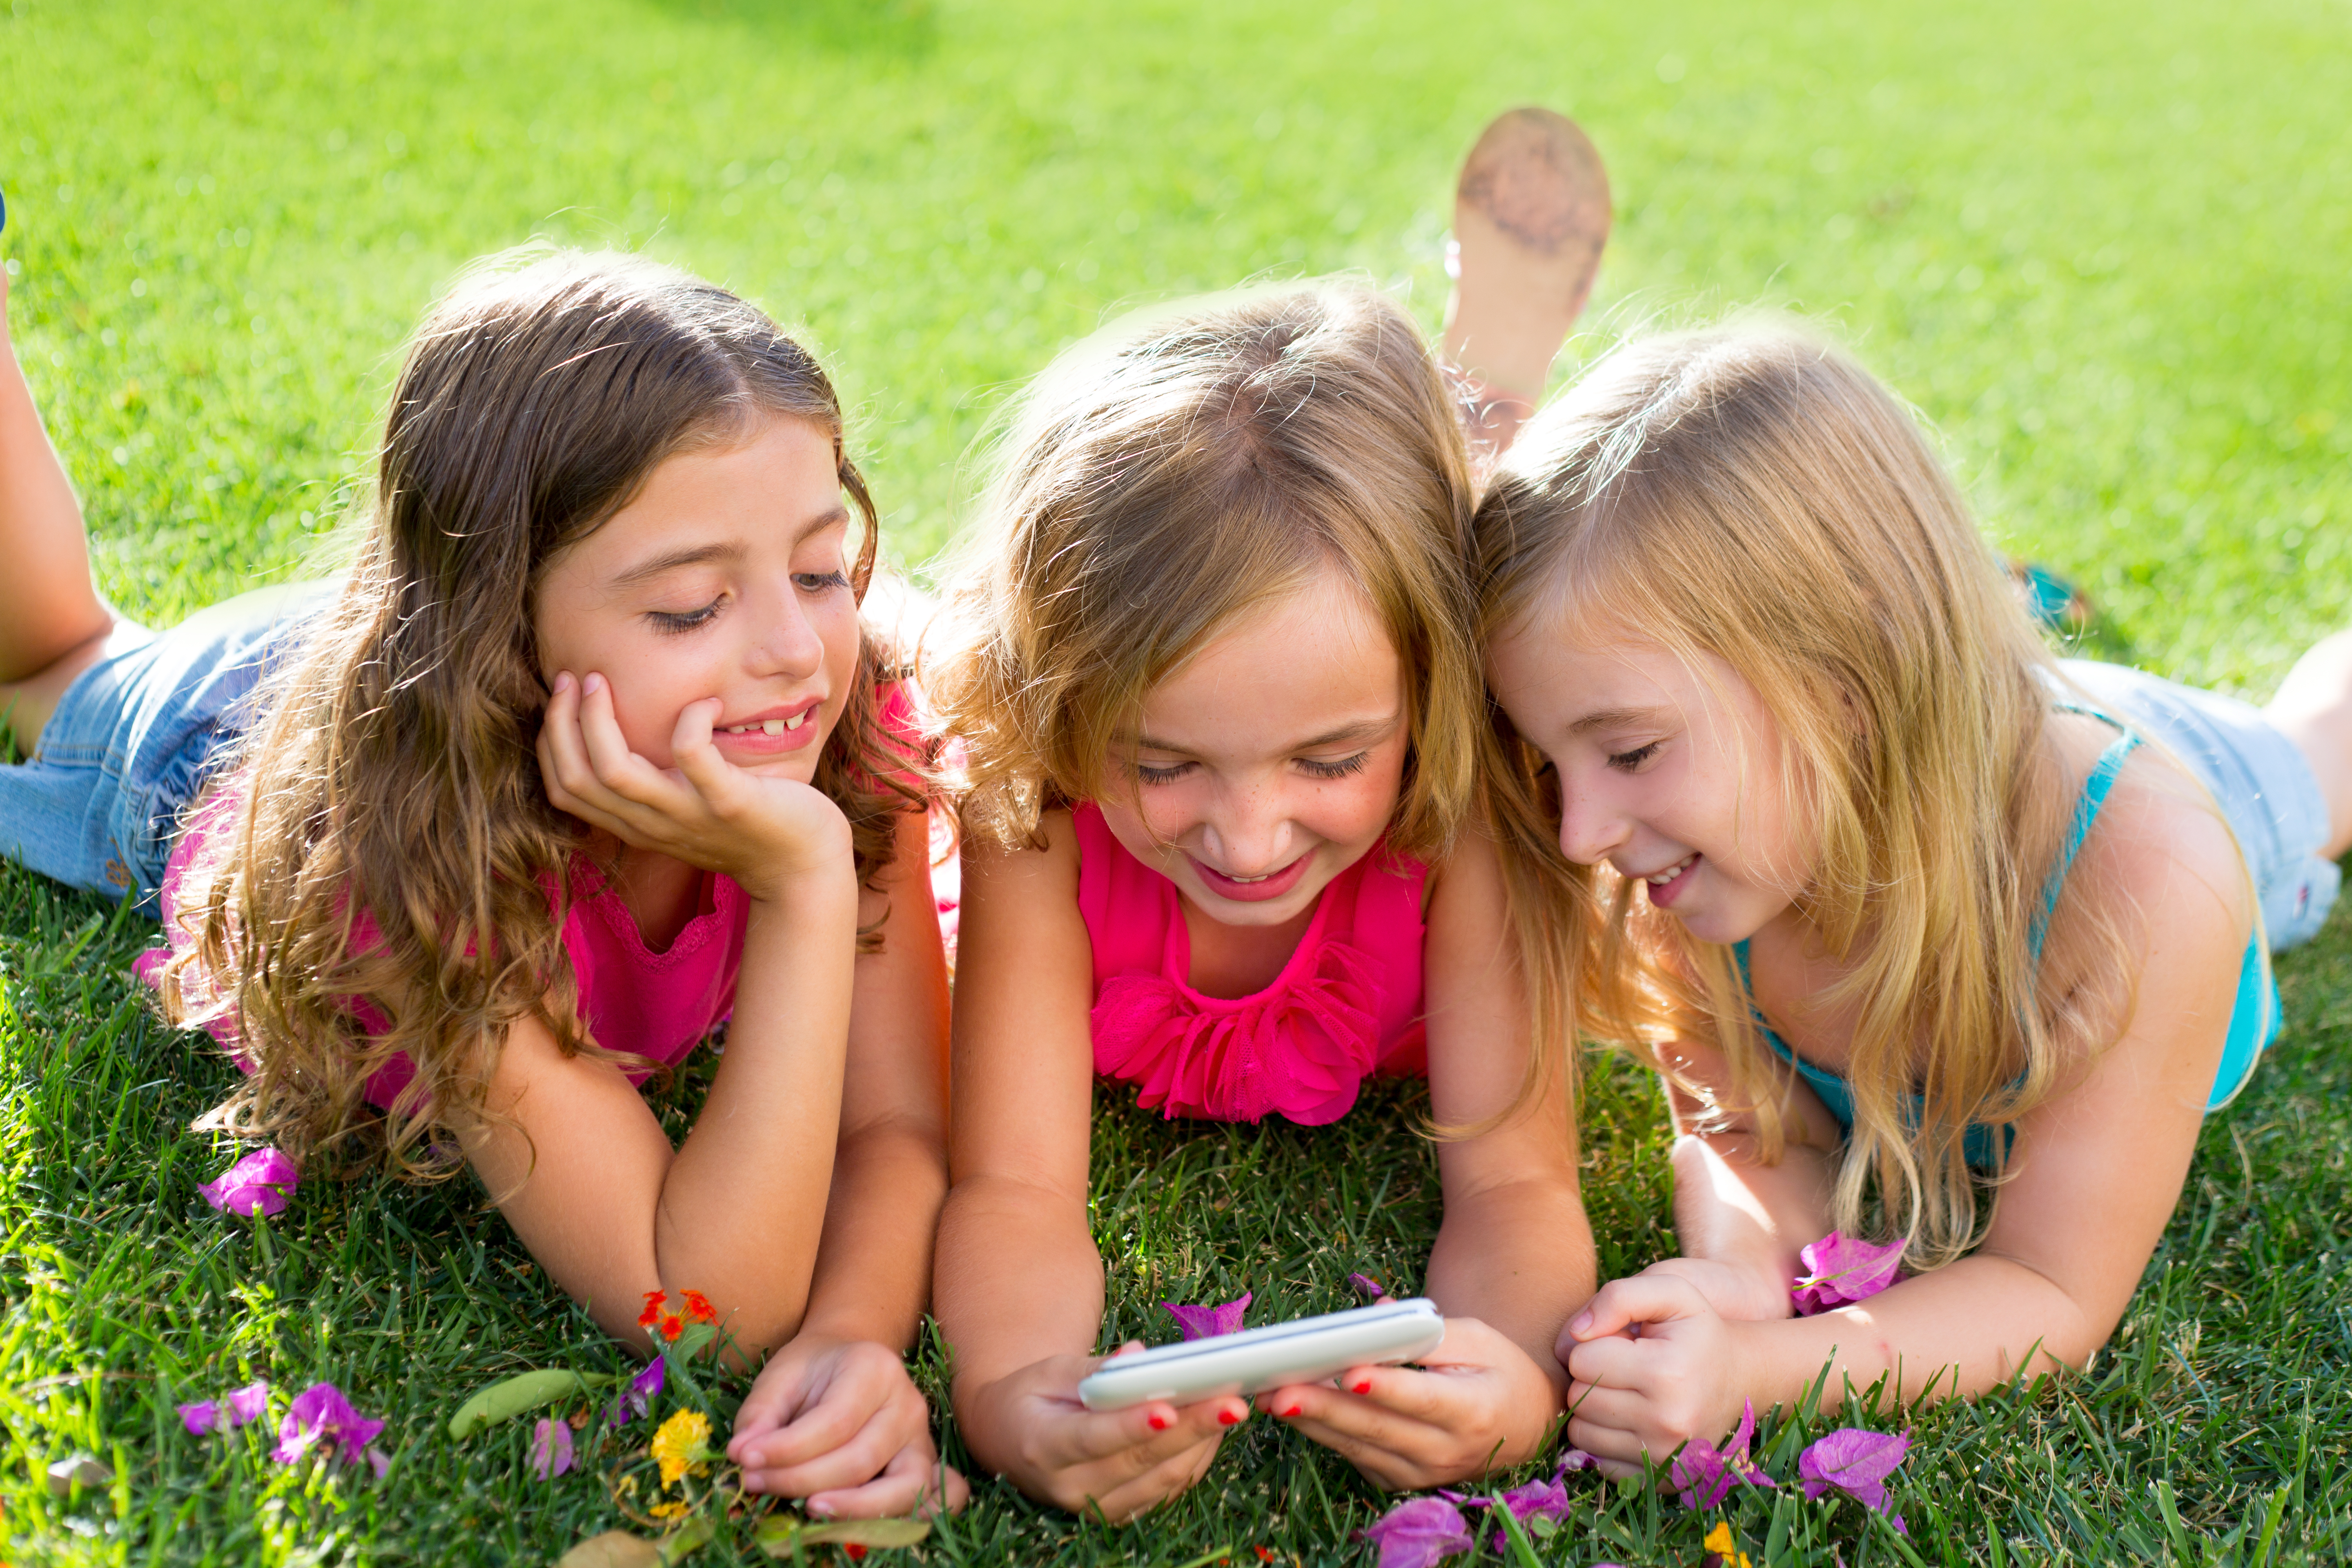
{"x": 1626, "y": 761}
{"x": 1146, "y": 774}
{"x": 672, "y": 625}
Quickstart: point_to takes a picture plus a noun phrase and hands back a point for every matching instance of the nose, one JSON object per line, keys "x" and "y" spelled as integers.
{"x": 1248, "y": 829}
{"x": 785, "y": 642}
{"x": 1591, "y": 825}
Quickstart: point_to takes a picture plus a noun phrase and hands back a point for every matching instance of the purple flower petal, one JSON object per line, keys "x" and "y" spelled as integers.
{"x": 1418, "y": 1533}
{"x": 1855, "y": 1462}
{"x": 259, "y": 1181}
{"x": 321, "y": 1417}
{"x": 1577, "y": 1459}
{"x": 200, "y": 1418}
{"x": 1208, "y": 1323}
{"x": 1369, "y": 1288}
{"x": 1704, "y": 1474}
{"x": 550, "y": 1448}
{"x": 1840, "y": 1269}
{"x": 380, "y": 1462}
{"x": 251, "y": 1403}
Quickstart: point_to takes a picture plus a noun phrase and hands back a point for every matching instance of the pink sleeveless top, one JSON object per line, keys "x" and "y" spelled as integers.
{"x": 1348, "y": 1004}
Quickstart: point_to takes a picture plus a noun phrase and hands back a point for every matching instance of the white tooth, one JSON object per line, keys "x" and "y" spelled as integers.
{"x": 774, "y": 726}
{"x": 794, "y": 722}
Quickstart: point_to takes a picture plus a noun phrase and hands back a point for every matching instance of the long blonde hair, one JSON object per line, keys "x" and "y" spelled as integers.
{"x": 394, "y": 881}
{"x": 1159, "y": 485}
{"x": 1750, "y": 493}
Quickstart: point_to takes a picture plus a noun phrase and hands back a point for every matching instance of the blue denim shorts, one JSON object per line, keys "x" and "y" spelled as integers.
{"x": 131, "y": 742}
{"x": 2259, "y": 779}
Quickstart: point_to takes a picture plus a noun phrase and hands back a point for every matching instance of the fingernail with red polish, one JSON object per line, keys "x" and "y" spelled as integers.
{"x": 1226, "y": 1417}
{"x": 1365, "y": 1387}
{"x": 1159, "y": 1422}
{"x": 1292, "y": 1410}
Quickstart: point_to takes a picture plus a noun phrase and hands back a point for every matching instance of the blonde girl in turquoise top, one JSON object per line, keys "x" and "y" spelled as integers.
{"x": 1931, "y": 935}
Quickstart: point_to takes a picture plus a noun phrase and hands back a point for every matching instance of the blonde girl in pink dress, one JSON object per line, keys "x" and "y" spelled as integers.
{"x": 1221, "y": 713}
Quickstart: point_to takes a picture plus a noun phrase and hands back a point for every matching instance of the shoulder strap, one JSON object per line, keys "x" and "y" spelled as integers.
{"x": 2086, "y": 812}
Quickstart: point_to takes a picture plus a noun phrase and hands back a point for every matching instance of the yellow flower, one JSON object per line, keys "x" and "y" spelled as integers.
{"x": 1725, "y": 1549}
{"x": 682, "y": 1445}
{"x": 666, "y": 1510}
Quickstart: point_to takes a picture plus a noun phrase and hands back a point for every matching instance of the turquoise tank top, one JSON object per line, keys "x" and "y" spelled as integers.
{"x": 2253, "y": 1018}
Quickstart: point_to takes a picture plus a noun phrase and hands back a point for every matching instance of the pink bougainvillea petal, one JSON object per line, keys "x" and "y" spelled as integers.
{"x": 199, "y": 1417}
{"x": 1203, "y": 1322}
{"x": 1840, "y": 1269}
{"x": 1418, "y": 1533}
{"x": 1369, "y": 1288}
{"x": 1577, "y": 1459}
{"x": 251, "y": 1403}
{"x": 1704, "y": 1474}
{"x": 259, "y": 1182}
{"x": 1856, "y": 1462}
{"x": 380, "y": 1462}
{"x": 320, "y": 1418}
{"x": 550, "y": 1448}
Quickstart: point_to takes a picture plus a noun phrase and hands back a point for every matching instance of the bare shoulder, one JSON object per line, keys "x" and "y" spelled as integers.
{"x": 1468, "y": 879}
{"x": 1052, "y": 860}
{"x": 2162, "y": 843}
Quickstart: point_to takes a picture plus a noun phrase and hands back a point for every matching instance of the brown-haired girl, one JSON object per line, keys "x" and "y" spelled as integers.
{"x": 584, "y": 754}
{"x": 1221, "y": 714}
{"x": 1933, "y": 936}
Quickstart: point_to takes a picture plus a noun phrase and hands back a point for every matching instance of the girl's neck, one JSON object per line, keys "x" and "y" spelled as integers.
{"x": 661, "y": 892}
{"x": 1230, "y": 961}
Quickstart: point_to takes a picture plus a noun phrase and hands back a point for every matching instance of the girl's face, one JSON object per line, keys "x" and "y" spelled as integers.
{"x": 727, "y": 576}
{"x": 1271, "y": 761}
{"x": 1667, "y": 772}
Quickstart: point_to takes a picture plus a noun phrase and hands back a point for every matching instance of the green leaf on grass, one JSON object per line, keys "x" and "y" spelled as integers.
{"x": 690, "y": 1344}
{"x": 510, "y": 1396}
{"x": 779, "y": 1532}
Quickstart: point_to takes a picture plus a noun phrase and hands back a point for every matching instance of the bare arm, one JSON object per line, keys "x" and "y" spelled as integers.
{"x": 873, "y": 1267}
{"x": 1019, "y": 1290}
{"x": 2095, "y": 1171}
{"x": 584, "y": 1173}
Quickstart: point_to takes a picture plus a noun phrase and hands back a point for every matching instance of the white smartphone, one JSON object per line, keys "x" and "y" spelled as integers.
{"x": 1306, "y": 1350}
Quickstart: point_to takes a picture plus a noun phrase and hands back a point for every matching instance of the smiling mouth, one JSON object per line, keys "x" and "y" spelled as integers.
{"x": 770, "y": 726}
{"x": 1660, "y": 879}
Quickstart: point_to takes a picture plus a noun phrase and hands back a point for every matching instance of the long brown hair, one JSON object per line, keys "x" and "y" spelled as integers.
{"x": 1750, "y": 493}
{"x": 395, "y": 861}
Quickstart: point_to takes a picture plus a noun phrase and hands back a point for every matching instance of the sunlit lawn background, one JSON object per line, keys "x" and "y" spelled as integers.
{"x": 2105, "y": 248}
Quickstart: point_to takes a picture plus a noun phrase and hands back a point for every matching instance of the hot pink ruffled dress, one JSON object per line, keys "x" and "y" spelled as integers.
{"x": 1349, "y": 1003}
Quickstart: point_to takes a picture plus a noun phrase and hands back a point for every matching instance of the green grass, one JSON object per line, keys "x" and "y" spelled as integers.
{"x": 2102, "y": 246}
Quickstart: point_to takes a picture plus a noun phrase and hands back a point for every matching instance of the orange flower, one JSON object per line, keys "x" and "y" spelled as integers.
{"x": 699, "y": 1307}
{"x": 856, "y": 1549}
{"x": 653, "y": 1300}
{"x": 672, "y": 1325}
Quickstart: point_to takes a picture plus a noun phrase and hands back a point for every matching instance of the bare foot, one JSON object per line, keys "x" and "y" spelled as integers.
{"x": 1530, "y": 218}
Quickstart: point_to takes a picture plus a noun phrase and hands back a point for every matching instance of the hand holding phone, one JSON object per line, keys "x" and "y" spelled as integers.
{"x": 1306, "y": 1350}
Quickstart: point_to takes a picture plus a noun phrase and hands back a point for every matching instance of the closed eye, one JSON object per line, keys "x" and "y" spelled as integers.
{"x": 819, "y": 582}
{"x": 1167, "y": 773}
{"x": 673, "y": 623}
{"x": 1315, "y": 767}
{"x": 1631, "y": 762}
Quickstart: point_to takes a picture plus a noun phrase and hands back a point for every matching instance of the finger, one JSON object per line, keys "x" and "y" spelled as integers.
{"x": 845, "y": 1406}
{"x": 1140, "y": 1437}
{"x": 1620, "y": 1449}
{"x": 562, "y": 759}
{"x": 1642, "y": 1298}
{"x": 781, "y": 1393}
{"x": 1168, "y": 1479}
{"x": 1358, "y": 1427}
{"x": 696, "y": 756}
{"x": 848, "y": 1464}
{"x": 906, "y": 1483}
{"x": 626, "y": 776}
{"x": 1608, "y": 1363}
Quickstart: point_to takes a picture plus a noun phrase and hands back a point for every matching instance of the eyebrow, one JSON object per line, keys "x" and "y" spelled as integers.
{"x": 1362, "y": 729}
{"x": 1611, "y": 718}
{"x": 705, "y": 554}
